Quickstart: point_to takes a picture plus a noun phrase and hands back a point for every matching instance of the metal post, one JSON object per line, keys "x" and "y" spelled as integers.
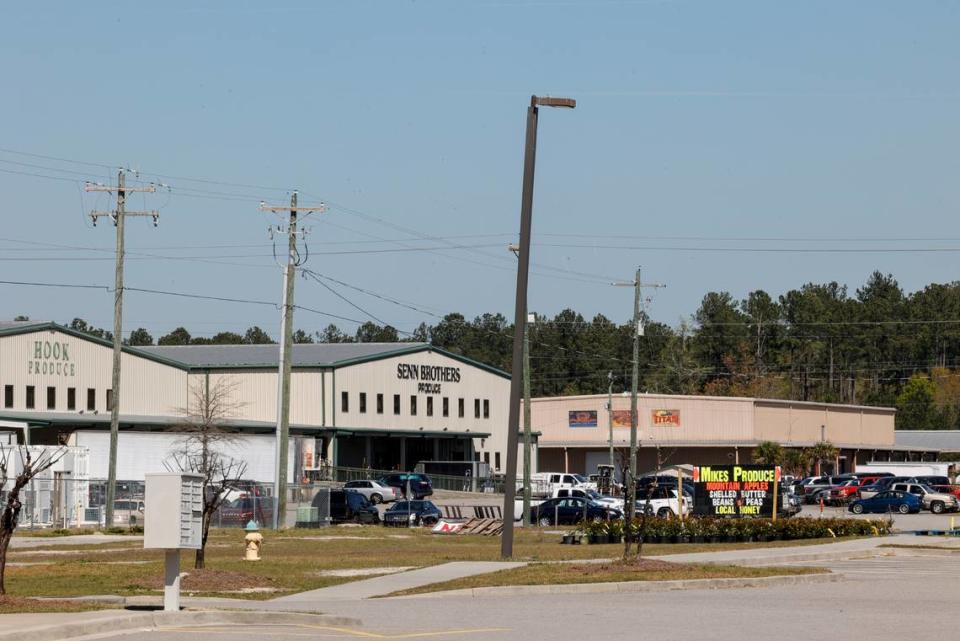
{"x": 527, "y": 437}
{"x": 117, "y": 347}
{"x": 520, "y": 312}
{"x": 171, "y": 581}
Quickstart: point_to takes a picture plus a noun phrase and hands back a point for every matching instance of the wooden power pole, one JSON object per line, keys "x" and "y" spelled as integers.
{"x": 119, "y": 216}
{"x": 286, "y": 340}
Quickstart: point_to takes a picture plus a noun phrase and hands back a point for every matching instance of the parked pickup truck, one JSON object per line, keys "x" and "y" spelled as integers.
{"x": 850, "y": 489}
{"x": 936, "y": 502}
{"x": 663, "y": 502}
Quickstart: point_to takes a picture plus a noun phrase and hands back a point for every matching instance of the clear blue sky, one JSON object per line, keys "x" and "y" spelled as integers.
{"x": 697, "y": 123}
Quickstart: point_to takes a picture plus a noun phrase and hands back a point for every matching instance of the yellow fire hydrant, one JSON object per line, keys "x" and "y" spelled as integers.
{"x": 254, "y": 541}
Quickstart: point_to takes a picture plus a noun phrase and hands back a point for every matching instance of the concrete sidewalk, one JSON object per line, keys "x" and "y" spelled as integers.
{"x": 379, "y": 586}
{"x": 22, "y": 542}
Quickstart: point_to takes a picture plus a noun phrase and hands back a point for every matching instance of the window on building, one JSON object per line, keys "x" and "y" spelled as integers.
{"x": 413, "y": 406}
{"x": 8, "y": 395}
{"x": 344, "y": 402}
{"x": 379, "y": 403}
{"x": 486, "y": 408}
{"x": 446, "y": 406}
{"x": 496, "y": 458}
{"x": 71, "y": 398}
{"x": 91, "y": 399}
{"x": 486, "y": 458}
{"x": 30, "y": 399}
{"x": 396, "y": 404}
{"x": 460, "y": 411}
{"x": 476, "y": 408}
{"x": 476, "y": 456}
{"x": 51, "y": 398}
{"x": 109, "y": 400}
{"x": 363, "y": 402}
{"x": 429, "y": 406}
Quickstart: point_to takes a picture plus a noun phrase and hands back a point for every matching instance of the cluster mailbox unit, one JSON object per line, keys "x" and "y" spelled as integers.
{"x": 173, "y": 521}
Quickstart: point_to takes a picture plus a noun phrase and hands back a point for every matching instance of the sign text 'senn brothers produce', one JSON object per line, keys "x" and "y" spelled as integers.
{"x": 734, "y": 490}
{"x": 429, "y": 376}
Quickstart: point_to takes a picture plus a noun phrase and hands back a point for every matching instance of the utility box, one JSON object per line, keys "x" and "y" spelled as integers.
{"x": 173, "y": 511}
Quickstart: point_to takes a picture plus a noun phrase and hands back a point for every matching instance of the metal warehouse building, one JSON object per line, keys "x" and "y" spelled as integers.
{"x": 378, "y": 405}
{"x": 575, "y": 430}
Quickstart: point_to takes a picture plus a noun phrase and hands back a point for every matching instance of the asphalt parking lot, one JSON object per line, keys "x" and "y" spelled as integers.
{"x": 906, "y": 595}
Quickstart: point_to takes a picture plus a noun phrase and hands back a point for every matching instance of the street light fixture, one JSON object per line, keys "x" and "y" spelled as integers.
{"x": 520, "y": 313}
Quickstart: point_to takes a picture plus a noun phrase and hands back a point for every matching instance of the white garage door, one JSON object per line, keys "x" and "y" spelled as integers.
{"x": 141, "y": 452}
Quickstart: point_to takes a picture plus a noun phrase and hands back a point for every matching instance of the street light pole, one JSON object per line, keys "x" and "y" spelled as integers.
{"x": 520, "y": 313}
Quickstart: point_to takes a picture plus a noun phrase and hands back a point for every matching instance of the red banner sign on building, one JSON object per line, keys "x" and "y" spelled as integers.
{"x": 665, "y": 417}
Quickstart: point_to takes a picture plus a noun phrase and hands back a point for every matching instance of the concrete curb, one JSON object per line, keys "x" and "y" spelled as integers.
{"x": 129, "y": 621}
{"x": 632, "y": 586}
{"x": 838, "y": 555}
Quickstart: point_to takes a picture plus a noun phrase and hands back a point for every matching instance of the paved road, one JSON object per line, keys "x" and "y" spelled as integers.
{"x": 857, "y": 607}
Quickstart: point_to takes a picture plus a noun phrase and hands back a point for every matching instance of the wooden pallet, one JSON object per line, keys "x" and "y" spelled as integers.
{"x": 485, "y": 527}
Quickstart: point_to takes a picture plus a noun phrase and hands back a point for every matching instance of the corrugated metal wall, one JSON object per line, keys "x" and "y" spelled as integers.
{"x": 54, "y": 359}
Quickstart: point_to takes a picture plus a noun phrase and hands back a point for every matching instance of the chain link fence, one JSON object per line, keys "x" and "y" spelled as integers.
{"x": 58, "y": 501}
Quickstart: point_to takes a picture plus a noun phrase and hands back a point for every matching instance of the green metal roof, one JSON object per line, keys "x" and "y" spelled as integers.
{"x": 207, "y": 357}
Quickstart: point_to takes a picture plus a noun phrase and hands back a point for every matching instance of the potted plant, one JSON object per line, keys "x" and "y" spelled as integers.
{"x": 763, "y": 530}
{"x": 710, "y": 530}
{"x": 614, "y": 531}
{"x": 729, "y": 528}
{"x": 595, "y": 531}
{"x": 695, "y": 529}
{"x": 674, "y": 530}
{"x": 684, "y": 535}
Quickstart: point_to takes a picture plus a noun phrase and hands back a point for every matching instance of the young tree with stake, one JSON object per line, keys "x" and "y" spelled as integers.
{"x": 200, "y": 450}
{"x": 30, "y": 466}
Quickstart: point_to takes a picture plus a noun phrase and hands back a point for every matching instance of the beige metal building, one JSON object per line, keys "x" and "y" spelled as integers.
{"x": 380, "y": 405}
{"x": 576, "y": 430}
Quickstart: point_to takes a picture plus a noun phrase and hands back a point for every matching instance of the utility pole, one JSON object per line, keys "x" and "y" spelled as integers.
{"x": 630, "y": 498}
{"x": 531, "y": 318}
{"x": 610, "y": 422}
{"x": 119, "y": 216}
{"x": 285, "y": 360}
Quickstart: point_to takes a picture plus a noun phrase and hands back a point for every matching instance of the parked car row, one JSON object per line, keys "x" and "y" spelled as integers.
{"x": 881, "y": 492}
{"x": 356, "y": 501}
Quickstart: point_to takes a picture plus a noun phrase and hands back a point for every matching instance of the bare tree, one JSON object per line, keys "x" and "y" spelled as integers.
{"x": 200, "y": 452}
{"x": 29, "y": 468}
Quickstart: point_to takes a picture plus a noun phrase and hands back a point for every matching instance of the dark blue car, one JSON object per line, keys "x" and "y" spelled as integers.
{"x": 887, "y": 501}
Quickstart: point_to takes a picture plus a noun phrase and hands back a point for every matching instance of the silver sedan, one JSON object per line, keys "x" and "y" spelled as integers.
{"x": 374, "y": 491}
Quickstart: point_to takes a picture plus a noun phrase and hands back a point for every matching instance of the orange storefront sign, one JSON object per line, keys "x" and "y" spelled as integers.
{"x": 665, "y": 417}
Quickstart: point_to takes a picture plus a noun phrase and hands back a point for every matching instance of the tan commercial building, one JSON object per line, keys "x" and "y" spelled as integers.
{"x": 379, "y": 405}
{"x": 575, "y": 431}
